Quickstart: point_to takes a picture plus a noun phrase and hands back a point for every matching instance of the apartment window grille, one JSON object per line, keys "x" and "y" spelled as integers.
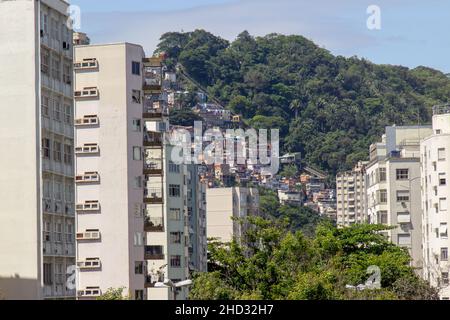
{"x": 57, "y": 151}
{"x": 174, "y": 214}
{"x": 174, "y": 168}
{"x": 136, "y": 68}
{"x": 441, "y": 154}
{"x": 139, "y": 267}
{"x": 68, "y": 114}
{"x": 174, "y": 190}
{"x": 55, "y": 29}
{"x": 175, "y": 237}
{"x": 56, "y": 109}
{"x": 444, "y": 254}
{"x": 45, "y": 23}
{"x": 46, "y": 148}
{"x": 138, "y": 239}
{"x": 48, "y": 274}
{"x": 45, "y": 101}
{"x": 56, "y": 68}
{"x": 136, "y": 125}
{"x": 382, "y": 196}
{"x": 382, "y": 174}
{"x": 67, "y": 74}
{"x": 402, "y": 174}
{"x": 137, "y": 153}
{"x": 402, "y": 196}
{"x": 45, "y": 61}
{"x": 69, "y": 233}
{"x": 68, "y": 154}
{"x": 175, "y": 261}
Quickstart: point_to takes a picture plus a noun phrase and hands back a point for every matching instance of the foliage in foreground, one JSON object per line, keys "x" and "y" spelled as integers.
{"x": 280, "y": 264}
{"x": 114, "y": 294}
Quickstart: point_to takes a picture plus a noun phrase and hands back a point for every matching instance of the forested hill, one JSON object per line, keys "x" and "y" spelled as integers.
{"x": 328, "y": 107}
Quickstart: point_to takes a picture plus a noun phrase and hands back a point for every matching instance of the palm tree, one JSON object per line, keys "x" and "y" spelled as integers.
{"x": 295, "y": 106}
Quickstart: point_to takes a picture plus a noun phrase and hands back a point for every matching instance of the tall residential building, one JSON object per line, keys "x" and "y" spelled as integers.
{"x": 393, "y": 187}
{"x": 109, "y": 163}
{"x": 224, "y": 204}
{"x": 132, "y": 210}
{"x": 435, "y": 154}
{"x": 351, "y": 196}
{"x": 36, "y": 136}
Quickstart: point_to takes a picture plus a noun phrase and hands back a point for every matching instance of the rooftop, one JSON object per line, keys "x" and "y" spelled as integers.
{"x": 441, "y": 109}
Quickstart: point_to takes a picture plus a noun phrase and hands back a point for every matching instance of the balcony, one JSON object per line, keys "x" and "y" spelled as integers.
{"x": 152, "y": 224}
{"x": 154, "y": 253}
{"x": 150, "y": 280}
{"x": 153, "y": 139}
{"x": 153, "y": 196}
{"x": 153, "y": 167}
{"x": 154, "y": 109}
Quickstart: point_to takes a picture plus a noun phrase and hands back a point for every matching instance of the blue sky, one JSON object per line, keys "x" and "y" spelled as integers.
{"x": 413, "y": 32}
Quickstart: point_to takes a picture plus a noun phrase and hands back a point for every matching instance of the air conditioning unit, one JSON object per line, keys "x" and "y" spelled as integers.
{"x": 90, "y": 292}
{"x": 93, "y": 234}
{"x": 87, "y": 148}
{"x": 88, "y": 177}
{"x": 88, "y": 206}
{"x": 91, "y": 92}
{"x": 90, "y": 263}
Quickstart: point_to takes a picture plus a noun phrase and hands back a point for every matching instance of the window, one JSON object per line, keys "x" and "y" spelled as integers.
{"x": 57, "y": 151}
{"x": 445, "y": 280}
{"x": 382, "y": 173}
{"x": 45, "y": 61}
{"x": 45, "y": 23}
{"x": 174, "y": 168}
{"x": 136, "y": 125}
{"x": 402, "y": 196}
{"x": 139, "y": 267}
{"x": 68, "y": 114}
{"x": 382, "y": 196}
{"x": 404, "y": 239}
{"x": 68, "y": 154}
{"x": 382, "y": 217}
{"x": 174, "y": 214}
{"x": 402, "y": 174}
{"x": 136, "y": 96}
{"x": 154, "y": 251}
{"x": 441, "y": 154}
{"x": 444, "y": 254}
{"x": 56, "y": 109}
{"x": 175, "y": 237}
{"x": 443, "y": 230}
{"x": 48, "y": 274}
{"x": 55, "y": 29}
{"x": 69, "y": 233}
{"x": 46, "y": 148}
{"x": 67, "y": 74}
{"x": 138, "y": 182}
{"x": 137, "y": 153}
{"x": 45, "y": 106}
{"x": 174, "y": 190}
{"x": 442, "y": 179}
{"x": 136, "y": 68}
{"x": 175, "y": 261}
{"x": 443, "y": 204}
{"x": 139, "y": 294}
{"x": 138, "y": 239}
{"x": 56, "y": 68}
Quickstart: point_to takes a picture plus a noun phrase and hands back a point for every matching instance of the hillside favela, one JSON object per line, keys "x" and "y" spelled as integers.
{"x": 163, "y": 153}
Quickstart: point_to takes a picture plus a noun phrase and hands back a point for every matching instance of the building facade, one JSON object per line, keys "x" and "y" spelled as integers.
{"x": 224, "y": 204}
{"x": 435, "y": 171}
{"x": 394, "y": 189}
{"x": 351, "y": 196}
{"x": 37, "y": 247}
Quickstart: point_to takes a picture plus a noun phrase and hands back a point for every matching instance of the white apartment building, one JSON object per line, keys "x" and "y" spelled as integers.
{"x": 37, "y": 181}
{"x": 132, "y": 210}
{"x": 351, "y": 196}
{"x": 393, "y": 187}
{"x": 224, "y": 204}
{"x": 435, "y": 165}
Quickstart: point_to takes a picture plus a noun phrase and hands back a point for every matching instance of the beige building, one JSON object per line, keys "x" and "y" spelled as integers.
{"x": 435, "y": 172}
{"x": 132, "y": 211}
{"x": 224, "y": 204}
{"x": 37, "y": 194}
{"x": 393, "y": 187}
{"x": 351, "y": 196}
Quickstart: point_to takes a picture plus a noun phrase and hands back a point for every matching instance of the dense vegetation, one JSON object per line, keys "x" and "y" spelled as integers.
{"x": 328, "y": 107}
{"x": 280, "y": 264}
